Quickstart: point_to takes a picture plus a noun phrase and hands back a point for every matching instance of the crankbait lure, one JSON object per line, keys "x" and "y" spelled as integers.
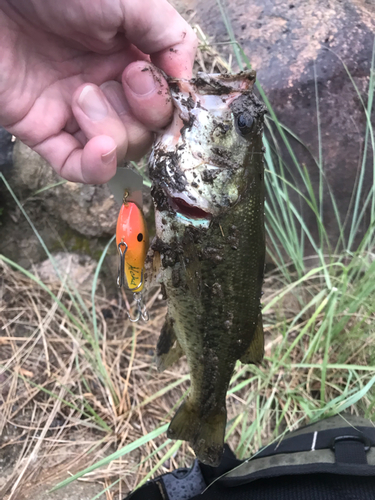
{"x": 132, "y": 244}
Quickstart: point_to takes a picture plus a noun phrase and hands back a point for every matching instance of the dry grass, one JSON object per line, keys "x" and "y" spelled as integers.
{"x": 59, "y": 414}
{"x": 52, "y": 396}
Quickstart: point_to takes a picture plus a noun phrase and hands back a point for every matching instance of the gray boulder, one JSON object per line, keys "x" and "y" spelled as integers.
{"x": 68, "y": 216}
{"x": 284, "y": 40}
{"x": 89, "y": 210}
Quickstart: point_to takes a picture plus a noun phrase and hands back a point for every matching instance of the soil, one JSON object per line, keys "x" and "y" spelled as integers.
{"x": 75, "y": 491}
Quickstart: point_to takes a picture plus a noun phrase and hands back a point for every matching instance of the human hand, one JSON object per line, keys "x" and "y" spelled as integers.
{"x": 51, "y": 50}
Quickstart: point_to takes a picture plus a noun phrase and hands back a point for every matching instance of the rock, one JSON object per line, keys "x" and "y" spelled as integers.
{"x": 90, "y": 210}
{"x": 69, "y": 217}
{"x": 284, "y": 40}
{"x": 77, "y": 269}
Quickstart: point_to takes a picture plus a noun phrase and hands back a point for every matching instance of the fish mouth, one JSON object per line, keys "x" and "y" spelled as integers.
{"x": 187, "y": 209}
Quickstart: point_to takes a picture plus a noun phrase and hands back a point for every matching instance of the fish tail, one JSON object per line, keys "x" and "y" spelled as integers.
{"x": 205, "y": 434}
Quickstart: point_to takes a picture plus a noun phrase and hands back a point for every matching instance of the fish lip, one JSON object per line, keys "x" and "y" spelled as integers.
{"x": 182, "y": 205}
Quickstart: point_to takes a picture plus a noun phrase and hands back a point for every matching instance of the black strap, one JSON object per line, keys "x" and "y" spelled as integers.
{"x": 351, "y": 449}
{"x": 320, "y": 440}
{"x": 319, "y": 486}
{"x": 228, "y": 462}
{"x": 349, "y": 445}
{"x": 151, "y": 491}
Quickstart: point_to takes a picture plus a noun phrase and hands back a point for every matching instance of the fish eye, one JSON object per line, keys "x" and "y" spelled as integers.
{"x": 140, "y": 237}
{"x": 245, "y": 123}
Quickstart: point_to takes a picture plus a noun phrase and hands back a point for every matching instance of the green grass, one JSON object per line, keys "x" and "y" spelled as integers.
{"x": 319, "y": 323}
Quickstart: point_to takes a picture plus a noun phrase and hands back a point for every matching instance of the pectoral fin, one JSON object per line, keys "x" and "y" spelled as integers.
{"x": 168, "y": 349}
{"x": 255, "y": 351}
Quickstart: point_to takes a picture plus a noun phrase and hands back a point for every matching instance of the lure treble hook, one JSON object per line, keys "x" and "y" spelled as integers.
{"x": 140, "y": 308}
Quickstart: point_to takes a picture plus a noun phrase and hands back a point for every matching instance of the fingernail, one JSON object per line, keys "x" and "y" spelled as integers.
{"x": 92, "y": 103}
{"x": 115, "y": 96}
{"x": 140, "y": 80}
{"x": 108, "y": 158}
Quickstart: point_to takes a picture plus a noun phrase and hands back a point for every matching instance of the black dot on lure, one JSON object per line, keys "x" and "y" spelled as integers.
{"x": 140, "y": 237}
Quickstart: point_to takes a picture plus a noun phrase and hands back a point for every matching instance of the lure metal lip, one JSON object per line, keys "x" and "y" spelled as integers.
{"x": 127, "y": 180}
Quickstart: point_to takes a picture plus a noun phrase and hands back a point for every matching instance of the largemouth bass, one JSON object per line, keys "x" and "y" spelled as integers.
{"x": 208, "y": 190}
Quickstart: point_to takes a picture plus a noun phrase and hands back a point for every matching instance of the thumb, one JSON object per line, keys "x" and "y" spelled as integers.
{"x": 148, "y": 95}
{"x": 156, "y": 28}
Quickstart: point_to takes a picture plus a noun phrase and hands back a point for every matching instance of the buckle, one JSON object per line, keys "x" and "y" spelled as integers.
{"x": 352, "y": 437}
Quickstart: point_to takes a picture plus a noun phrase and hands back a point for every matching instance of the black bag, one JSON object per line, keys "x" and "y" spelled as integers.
{"x": 333, "y": 459}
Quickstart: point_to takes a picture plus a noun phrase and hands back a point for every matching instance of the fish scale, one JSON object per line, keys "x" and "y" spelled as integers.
{"x": 208, "y": 186}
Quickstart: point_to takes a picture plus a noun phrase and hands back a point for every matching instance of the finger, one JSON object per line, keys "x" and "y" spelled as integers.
{"x": 148, "y": 95}
{"x": 96, "y": 117}
{"x": 140, "y": 138}
{"x": 71, "y": 126}
{"x": 94, "y": 164}
{"x": 162, "y": 33}
{"x": 81, "y": 138}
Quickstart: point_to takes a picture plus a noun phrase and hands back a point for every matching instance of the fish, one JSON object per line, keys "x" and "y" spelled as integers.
{"x": 132, "y": 241}
{"x": 207, "y": 177}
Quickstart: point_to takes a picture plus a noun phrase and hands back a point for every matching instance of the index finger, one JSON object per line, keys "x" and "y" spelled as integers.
{"x": 156, "y": 28}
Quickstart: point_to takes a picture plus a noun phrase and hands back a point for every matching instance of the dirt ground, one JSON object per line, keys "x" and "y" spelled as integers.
{"x": 76, "y": 491}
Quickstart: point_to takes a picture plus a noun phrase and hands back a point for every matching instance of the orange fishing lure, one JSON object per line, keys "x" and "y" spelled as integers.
{"x": 132, "y": 243}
